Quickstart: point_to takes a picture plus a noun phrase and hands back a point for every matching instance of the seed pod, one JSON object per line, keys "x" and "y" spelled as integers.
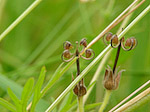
{"x": 134, "y": 41}
{"x": 88, "y": 53}
{"x": 75, "y": 90}
{"x": 82, "y": 90}
{"x": 128, "y": 42}
{"x": 83, "y": 42}
{"x": 109, "y": 83}
{"x": 115, "y": 39}
{"x": 108, "y": 36}
{"x": 67, "y": 54}
{"x": 67, "y": 45}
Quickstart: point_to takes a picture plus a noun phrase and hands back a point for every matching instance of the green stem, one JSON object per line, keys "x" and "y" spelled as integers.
{"x": 80, "y": 104}
{"x": 105, "y": 101}
{"x": 20, "y": 18}
{"x": 141, "y": 102}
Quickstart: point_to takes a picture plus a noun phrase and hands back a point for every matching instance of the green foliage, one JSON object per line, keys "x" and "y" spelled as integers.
{"x": 7, "y": 105}
{"x": 37, "y": 89}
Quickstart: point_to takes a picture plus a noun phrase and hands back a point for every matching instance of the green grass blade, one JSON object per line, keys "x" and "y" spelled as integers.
{"x": 91, "y": 106}
{"x": 7, "y": 105}
{"x": 37, "y": 90}
{"x": 66, "y": 103}
{"x": 26, "y": 93}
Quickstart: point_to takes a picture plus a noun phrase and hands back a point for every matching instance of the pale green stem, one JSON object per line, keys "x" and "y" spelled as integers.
{"x": 20, "y": 18}
{"x": 96, "y": 60}
{"x": 141, "y": 102}
{"x": 80, "y": 104}
{"x": 105, "y": 101}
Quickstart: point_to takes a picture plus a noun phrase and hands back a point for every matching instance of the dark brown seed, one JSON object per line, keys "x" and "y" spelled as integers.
{"x": 128, "y": 42}
{"x": 108, "y": 36}
{"x": 67, "y": 45}
{"x": 88, "y": 53}
{"x": 82, "y": 91}
{"x": 75, "y": 90}
{"x": 67, "y": 54}
{"x": 115, "y": 39}
{"x": 83, "y": 42}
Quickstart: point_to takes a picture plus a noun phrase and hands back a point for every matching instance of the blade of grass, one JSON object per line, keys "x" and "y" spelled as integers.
{"x": 134, "y": 100}
{"x": 138, "y": 104}
{"x": 52, "y": 34}
{"x": 94, "y": 62}
{"x": 137, "y": 90}
{"x": 19, "y": 19}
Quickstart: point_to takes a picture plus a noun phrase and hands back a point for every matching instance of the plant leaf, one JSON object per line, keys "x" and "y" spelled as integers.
{"x": 26, "y": 93}
{"x": 7, "y": 105}
{"x": 37, "y": 90}
{"x": 14, "y": 98}
{"x": 17, "y": 89}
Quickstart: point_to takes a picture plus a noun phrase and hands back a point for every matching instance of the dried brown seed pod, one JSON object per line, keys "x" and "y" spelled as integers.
{"x": 75, "y": 90}
{"x": 83, "y": 42}
{"x": 107, "y": 37}
{"x": 89, "y": 54}
{"x": 111, "y": 80}
{"x": 129, "y": 44}
{"x": 67, "y": 45}
{"x": 115, "y": 41}
{"x": 67, "y": 54}
{"x": 80, "y": 91}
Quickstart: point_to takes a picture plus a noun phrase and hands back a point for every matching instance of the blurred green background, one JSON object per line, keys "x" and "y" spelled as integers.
{"x": 38, "y": 40}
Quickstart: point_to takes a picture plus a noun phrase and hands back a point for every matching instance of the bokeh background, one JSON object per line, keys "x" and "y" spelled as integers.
{"x": 38, "y": 40}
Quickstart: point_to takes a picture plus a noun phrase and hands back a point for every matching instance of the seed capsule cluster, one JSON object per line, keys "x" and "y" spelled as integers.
{"x": 68, "y": 56}
{"x": 127, "y": 44}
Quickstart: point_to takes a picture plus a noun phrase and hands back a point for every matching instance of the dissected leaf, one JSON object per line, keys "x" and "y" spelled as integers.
{"x": 14, "y": 98}
{"x": 26, "y": 93}
{"x": 37, "y": 89}
{"x": 17, "y": 89}
{"x": 7, "y": 105}
{"x": 54, "y": 78}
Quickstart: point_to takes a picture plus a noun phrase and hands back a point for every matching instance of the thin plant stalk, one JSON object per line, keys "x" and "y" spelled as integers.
{"x": 20, "y": 18}
{"x": 96, "y": 60}
{"x": 141, "y": 102}
{"x": 108, "y": 92}
{"x": 80, "y": 104}
{"x": 106, "y": 100}
{"x": 137, "y": 90}
{"x": 133, "y": 101}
